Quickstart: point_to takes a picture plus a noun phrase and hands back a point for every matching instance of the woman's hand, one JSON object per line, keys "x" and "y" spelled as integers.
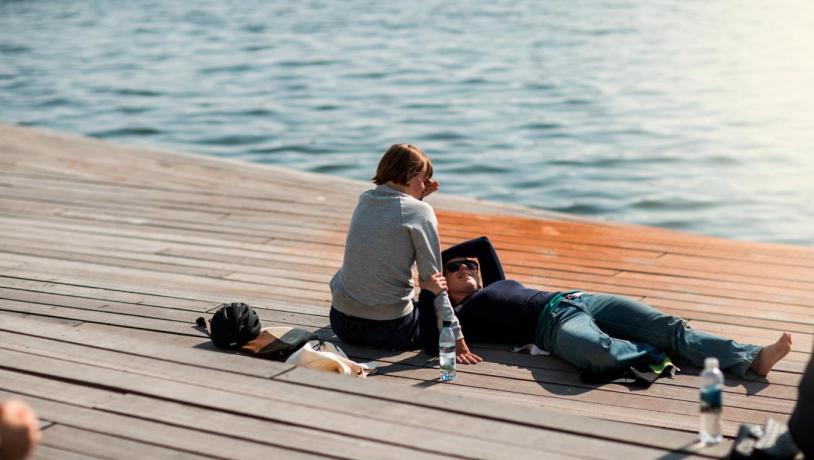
{"x": 430, "y": 186}
{"x": 463, "y": 355}
{"x": 435, "y": 283}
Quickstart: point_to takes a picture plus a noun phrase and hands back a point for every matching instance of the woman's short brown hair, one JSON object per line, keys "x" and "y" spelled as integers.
{"x": 400, "y": 163}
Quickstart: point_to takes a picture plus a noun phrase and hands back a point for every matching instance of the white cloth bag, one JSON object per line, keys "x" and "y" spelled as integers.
{"x": 325, "y": 356}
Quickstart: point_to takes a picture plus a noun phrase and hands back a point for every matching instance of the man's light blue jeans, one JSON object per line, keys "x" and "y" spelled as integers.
{"x": 601, "y": 333}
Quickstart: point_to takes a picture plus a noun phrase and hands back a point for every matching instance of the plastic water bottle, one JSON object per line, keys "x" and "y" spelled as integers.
{"x": 712, "y": 381}
{"x": 446, "y": 353}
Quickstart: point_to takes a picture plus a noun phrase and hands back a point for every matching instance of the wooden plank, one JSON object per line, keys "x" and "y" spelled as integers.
{"x": 152, "y": 242}
{"x": 223, "y": 423}
{"x": 455, "y": 402}
{"x": 755, "y": 294}
{"x": 82, "y": 396}
{"x": 192, "y": 200}
{"x": 723, "y": 287}
{"x": 318, "y": 258}
{"x": 79, "y": 314}
{"x": 110, "y": 260}
{"x": 577, "y": 265}
{"x": 33, "y": 257}
{"x": 755, "y": 413}
{"x": 188, "y": 196}
{"x": 148, "y": 432}
{"x": 196, "y": 351}
{"x": 314, "y": 439}
{"x": 106, "y": 293}
{"x": 112, "y": 284}
{"x": 70, "y": 291}
{"x": 621, "y": 235}
{"x": 631, "y": 416}
{"x": 690, "y": 311}
{"x": 614, "y": 404}
{"x": 174, "y": 175}
{"x": 788, "y": 310}
{"x": 802, "y": 341}
{"x": 150, "y": 311}
{"x": 253, "y": 265}
{"x": 307, "y": 236}
{"x": 533, "y": 245}
{"x": 8, "y": 265}
{"x": 547, "y": 382}
{"x": 85, "y": 303}
{"x": 92, "y": 159}
{"x": 24, "y": 206}
{"x": 518, "y": 258}
{"x": 501, "y": 355}
{"x": 418, "y": 438}
{"x": 46, "y": 452}
{"x": 159, "y": 283}
{"x": 204, "y": 370}
{"x": 76, "y": 440}
{"x": 136, "y": 232}
{"x": 547, "y": 370}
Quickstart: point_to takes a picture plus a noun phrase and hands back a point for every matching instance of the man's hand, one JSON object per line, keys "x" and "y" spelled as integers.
{"x": 430, "y": 186}
{"x": 435, "y": 283}
{"x": 463, "y": 355}
{"x": 19, "y": 430}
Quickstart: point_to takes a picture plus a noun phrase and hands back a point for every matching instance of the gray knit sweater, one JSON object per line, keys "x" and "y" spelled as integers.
{"x": 390, "y": 232}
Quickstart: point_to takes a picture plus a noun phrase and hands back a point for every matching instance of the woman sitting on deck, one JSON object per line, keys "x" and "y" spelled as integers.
{"x": 600, "y": 334}
{"x": 390, "y": 231}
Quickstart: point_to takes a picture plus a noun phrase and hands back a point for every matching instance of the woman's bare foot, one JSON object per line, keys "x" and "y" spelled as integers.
{"x": 771, "y": 354}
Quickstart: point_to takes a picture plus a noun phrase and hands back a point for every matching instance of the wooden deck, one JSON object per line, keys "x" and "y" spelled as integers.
{"x": 109, "y": 253}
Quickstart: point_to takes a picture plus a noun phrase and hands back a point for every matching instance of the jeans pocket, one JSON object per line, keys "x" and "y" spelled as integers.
{"x": 557, "y": 318}
{"x": 604, "y": 339}
{"x": 576, "y": 303}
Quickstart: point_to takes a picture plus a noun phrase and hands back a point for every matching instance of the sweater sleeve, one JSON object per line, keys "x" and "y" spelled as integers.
{"x": 480, "y": 248}
{"x": 423, "y": 228}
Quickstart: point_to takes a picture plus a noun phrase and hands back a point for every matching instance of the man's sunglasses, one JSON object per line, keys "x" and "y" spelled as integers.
{"x": 455, "y": 266}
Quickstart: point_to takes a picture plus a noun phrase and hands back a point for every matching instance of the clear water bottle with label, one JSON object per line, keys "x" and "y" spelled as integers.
{"x": 712, "y": 381}
{"x": 446, "y": 352}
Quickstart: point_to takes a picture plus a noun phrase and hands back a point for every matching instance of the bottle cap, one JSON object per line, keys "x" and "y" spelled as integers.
{"x": 711, "y": 363}
{"x": 447, "y": 323}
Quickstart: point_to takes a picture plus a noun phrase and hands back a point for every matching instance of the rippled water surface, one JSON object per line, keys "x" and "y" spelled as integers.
{"x": 690, "y": 115}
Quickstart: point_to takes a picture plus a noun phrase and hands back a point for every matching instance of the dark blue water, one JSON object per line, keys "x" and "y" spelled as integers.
{"x": 690, "y": 115}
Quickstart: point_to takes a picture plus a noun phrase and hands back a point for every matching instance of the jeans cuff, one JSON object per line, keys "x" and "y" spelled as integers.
{"x": 744, "y": 369}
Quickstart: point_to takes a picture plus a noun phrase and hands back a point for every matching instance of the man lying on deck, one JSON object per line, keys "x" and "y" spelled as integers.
{"x": 600, "y": 334}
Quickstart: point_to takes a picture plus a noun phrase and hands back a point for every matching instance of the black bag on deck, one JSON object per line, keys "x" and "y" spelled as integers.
{"x": 233, "y": 325}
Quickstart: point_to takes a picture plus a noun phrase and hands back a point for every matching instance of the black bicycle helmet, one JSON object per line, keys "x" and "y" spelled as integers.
{"x": 234, "y": 324}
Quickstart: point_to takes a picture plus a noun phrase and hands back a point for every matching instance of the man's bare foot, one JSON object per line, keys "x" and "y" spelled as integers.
{"x": 771, "y": 354}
